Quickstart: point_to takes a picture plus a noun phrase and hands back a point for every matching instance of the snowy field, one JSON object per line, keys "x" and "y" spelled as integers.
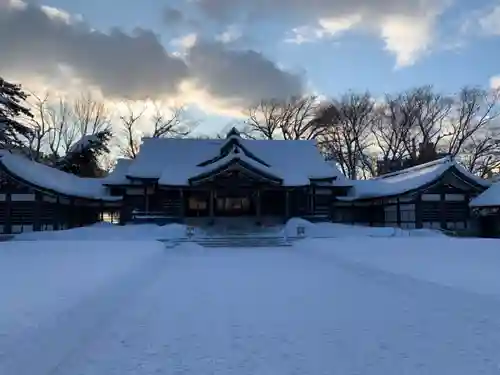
{"x": 339, "y": 306}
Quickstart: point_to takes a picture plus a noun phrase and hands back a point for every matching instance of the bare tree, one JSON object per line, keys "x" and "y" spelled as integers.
{"x": 481, "y": 154}
{"x": 40, "y": 125}
{"x": 59, "y": 123}
{"x": 90, "y": 116}
{"x": 64, "y": 134}
{"x": 130, "y": 135}
{"x": 391, "y": 130}
{"x": 264, "y": 119}
{"x": 173, "y": 124}
{"x": 346, "y": 139}
{"x": 424, "y": 114}
{"x": 473, "y": 130}
{"x": 165, "y": 122}
{"x": 295, "y": 118}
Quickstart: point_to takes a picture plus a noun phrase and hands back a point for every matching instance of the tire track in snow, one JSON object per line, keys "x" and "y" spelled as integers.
{"x": 46, "y": 348}
{"x": 445, "y": 327}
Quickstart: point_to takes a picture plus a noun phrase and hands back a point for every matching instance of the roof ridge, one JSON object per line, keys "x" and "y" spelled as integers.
{"x": 443, "y": 160}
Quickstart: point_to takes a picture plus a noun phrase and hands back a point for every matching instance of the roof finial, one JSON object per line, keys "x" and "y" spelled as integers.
{"x": 232, "y": 132}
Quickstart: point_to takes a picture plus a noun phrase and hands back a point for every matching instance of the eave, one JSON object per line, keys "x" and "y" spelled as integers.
{"x": 53, "y": 192}
{"x": 242, "y": 164}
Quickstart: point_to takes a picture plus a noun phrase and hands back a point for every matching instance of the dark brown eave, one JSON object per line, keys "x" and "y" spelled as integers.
{"x": 146, "y": 179}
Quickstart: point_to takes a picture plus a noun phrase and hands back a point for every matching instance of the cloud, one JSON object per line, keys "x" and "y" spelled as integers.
{"x": 39, "y": 39}
{"x": 495, "y": 82}
{"x": 407, "y": 43}
{"x": 490, "y": 21}
{"x": 223, "y": 72}
{"x": 231, "y": 34}
{"x": 327, "y": 27}
{"x": 406, "y": 26}
{"x": 172, "y": 16}
{"x": 185, "y": 42}
{"x": 54, "y": 48}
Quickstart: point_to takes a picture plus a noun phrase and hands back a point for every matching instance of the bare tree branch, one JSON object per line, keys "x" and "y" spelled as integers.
{"x": 346, "y": 139}
{"x": 131, "y": 136}
{"x": 292, "y": 119}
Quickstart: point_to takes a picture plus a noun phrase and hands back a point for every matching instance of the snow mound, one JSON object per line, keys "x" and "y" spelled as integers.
{"x": 151, "y": 232}
{"x": 329, "y": 230}
{"x": 109, "y": 232}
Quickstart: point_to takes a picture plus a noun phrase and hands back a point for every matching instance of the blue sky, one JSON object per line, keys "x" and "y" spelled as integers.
{"x": 380, "y": 46}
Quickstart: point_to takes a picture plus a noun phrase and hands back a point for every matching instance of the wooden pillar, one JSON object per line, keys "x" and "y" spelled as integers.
{"x": 354, "y": 214}
{"x": 287, "y": 204}
{"x": 418, "y": 211}
{"x": 37, "y": 212}
{"x": 101, "y": 211}
{"x": 398, "y": 212}
{"x": 8, "y": 211}
{"x": 468, "y": 211}
{"x": 442, "y": 210}
{"x": 211, "y": 203}
{"x": 258, "y": 205}
{"x": 146, "y": 199}
{"x": 56, "y": 218}
{"x": 71, "y": 213}
{"x": 313, "y": 200}
{"x": 182, "y": 207}
{"x": 372, "y": 212}
{"x": 331, "y": 205}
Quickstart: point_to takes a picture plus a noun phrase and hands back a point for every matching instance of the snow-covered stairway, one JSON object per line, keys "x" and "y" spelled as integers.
{"x": 243, "y": 241}
{"x": 234, "y": 241}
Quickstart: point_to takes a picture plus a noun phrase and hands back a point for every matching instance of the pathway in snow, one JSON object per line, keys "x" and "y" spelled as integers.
{"x": 266, "y": 312}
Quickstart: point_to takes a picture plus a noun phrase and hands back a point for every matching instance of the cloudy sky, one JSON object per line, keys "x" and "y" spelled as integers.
{"x": 218, "y": 56}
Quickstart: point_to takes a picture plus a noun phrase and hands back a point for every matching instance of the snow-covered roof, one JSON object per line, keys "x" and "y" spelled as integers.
{"x": 408, "y": 179}
{"x": 175, "y": 161}
{"x": 489, "y": 198}
{"x": 53, "y": 179}
{"x": 118, "y": 175}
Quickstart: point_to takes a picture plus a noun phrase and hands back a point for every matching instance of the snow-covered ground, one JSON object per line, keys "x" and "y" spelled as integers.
{"x": 338, "y": 306}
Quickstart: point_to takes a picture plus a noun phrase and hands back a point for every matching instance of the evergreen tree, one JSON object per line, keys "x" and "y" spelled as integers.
{"x": 82, "y": 158}
{"x": 11, "y": 109}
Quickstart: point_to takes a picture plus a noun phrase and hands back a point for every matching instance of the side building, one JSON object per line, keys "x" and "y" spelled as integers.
{"x": 36, "y": 197}
{"x": 434, "y": 195}
{"x": 486, "y": 209}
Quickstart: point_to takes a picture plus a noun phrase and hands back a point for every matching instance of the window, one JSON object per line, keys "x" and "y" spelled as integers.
{"x": 197, "y": 204}
{"x": 455, "y": 197}
{"x": 391, "y": 214}
{"x": 431, "y": 197}
{"x": 112, "y": 217}
{"x": 407, "y": 212}
{"x": 233, "y": 204}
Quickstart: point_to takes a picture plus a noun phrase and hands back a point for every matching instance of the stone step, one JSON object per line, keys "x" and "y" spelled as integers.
{"x": 236, "y": 241}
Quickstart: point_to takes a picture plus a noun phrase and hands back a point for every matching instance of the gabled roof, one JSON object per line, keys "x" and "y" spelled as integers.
{"x": 410, "y": 179}
{"x": 175, "y": 161}
{"x": 117, "y": 175}
{"x": 489, "y": 198}
{"x": 51, "y": 179}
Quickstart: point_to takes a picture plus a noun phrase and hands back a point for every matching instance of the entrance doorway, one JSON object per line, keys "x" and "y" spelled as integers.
{"x": 234, "y": 206}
